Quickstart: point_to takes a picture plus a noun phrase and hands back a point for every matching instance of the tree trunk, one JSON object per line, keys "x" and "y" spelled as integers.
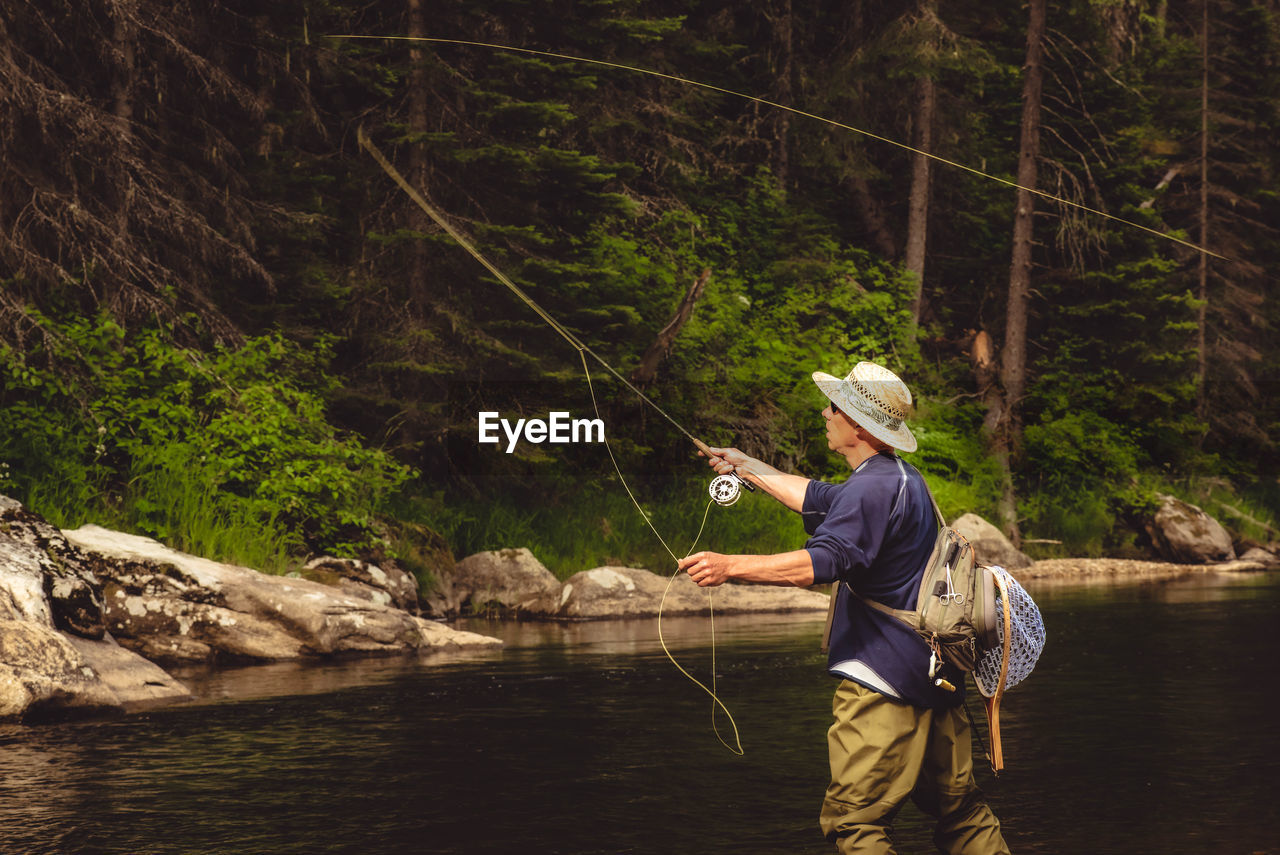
{"x": 868, "y": 209}
{"x": 1202, "y": 355}
{"x": 648, "y": 367}
{"x": 124, "y": 36}
{"x": 417, "y": 177}
{"x": 1002, "y": 415}
{"x": 782, "y": 73}
{"x": 871, "y": 212}
{"x": 918, "y": 202}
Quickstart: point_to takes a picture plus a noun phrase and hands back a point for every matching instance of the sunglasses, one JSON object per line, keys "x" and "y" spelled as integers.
{"x": 835, "y": 408}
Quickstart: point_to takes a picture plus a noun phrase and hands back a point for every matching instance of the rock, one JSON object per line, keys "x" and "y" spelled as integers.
{"x": 43, "y": 674}
{"x": 174, "y": 607}
{"x": 1183, "y": 533}
{"x": 390, "y": 586}
{"x": 617, "y": 592}
{"x": 135, "y": 680}
{"x": 436, "y": 637}
{"x": 509, "y": 579}
{"x": 990, "y": 546}
{"x": 1261, "y": 556}
{"x": 44, "y": 576}
{"x": 55, "y": 655}
{"x": 1126, "y": 569}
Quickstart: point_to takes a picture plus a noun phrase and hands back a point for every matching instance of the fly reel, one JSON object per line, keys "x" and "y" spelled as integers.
{"x": 725, "y": 489}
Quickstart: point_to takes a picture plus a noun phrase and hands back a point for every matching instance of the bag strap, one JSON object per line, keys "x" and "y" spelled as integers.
{"x": 937, "y": 511}
{"x": 907, "y": 616}
{"x": 831, "y": 617}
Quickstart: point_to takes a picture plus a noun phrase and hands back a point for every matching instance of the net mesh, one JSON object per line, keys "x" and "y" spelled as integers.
{"x": 1027, "y": 638}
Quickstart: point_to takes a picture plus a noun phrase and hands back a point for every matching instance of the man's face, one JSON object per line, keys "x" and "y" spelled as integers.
{"x": 842, "y": 433}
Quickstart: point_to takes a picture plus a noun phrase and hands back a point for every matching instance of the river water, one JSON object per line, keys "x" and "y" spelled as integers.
{"x": 1149, "y": 726}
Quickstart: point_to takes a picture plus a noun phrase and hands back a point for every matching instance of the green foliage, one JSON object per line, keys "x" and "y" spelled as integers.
{"x": 179, "y": 501}
{"x": 126, "y": 427}
{"x": 786, "y": 298}
{"x": 1086, "y": 473}
{"x": 951, "y": 455}
{"x": 1247, "y": 514}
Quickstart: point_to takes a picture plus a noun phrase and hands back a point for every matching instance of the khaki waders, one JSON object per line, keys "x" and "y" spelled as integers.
{"x": 883, "y": 752}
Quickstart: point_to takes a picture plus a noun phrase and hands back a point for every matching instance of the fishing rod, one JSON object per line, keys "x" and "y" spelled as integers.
{"x": 724, "y": 489}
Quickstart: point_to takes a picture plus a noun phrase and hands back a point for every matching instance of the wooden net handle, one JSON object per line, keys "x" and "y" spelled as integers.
{"x": 993, "y": 702}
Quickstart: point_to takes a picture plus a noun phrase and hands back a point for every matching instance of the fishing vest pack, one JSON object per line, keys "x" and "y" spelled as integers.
{"x": 956, "y": 609}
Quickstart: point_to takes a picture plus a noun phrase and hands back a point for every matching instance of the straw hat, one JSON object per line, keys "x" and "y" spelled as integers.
{"x": 875, "y": 398}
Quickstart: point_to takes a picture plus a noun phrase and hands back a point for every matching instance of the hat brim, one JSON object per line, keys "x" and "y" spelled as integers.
{"x": 837, "y": 390}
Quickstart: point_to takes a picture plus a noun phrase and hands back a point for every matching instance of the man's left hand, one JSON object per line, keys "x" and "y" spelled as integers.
{"x": 708, "y": 569}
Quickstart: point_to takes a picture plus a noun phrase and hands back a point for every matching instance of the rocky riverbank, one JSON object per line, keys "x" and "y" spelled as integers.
{"x": 1121, "y": 569}
{"x": 513, "y": 582}
{"x": 89, "y": 617}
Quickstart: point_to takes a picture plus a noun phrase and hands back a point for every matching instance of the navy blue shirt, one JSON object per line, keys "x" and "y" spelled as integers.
{"x": 873, "y": 534}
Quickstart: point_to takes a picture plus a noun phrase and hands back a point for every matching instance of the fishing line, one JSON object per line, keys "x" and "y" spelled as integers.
{"x": 583, "y": 350}
{"x": 766, "y": 102}
{"x": 737, "y": 747}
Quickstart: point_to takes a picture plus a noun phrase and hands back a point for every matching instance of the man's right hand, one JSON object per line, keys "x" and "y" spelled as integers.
{"x": 726, "y": 460}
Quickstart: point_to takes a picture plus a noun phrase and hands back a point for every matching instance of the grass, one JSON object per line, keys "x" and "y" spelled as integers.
{"x": 196, "y": 517}
{"x": 180, "y": 512}
{"x": 595, "y": 526}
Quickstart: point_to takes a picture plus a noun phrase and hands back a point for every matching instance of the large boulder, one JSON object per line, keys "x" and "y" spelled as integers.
{"x": 506, "y": 579}
{"x": 990, "y": 546}
{"x": 56, "y": 657}
{"x": 1185, "y": 534}
{"x": 174, "y": 607}
{"x": 623, "y": 592}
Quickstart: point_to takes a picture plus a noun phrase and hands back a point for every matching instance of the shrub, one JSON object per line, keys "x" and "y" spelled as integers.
{"x": 1083, "y": 472}
{"x": 130, "y": 429}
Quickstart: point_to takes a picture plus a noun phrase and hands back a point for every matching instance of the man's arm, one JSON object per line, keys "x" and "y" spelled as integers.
{"x": 788, "y": 489}
{"x": 709, "y": 569}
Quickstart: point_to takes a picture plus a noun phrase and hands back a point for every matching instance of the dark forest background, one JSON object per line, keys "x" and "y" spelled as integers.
{"x": 221, "y": 324}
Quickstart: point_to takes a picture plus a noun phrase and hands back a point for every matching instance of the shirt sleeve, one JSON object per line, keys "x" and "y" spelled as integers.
{"x": 854, "y": 528}
{"x": 817, "y": 502}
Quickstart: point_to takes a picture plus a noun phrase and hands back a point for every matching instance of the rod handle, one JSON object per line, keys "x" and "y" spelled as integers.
{"x": 706, "y": 449}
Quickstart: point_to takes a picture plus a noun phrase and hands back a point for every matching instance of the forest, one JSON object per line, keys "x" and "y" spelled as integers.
{"x": 225, "y": 325}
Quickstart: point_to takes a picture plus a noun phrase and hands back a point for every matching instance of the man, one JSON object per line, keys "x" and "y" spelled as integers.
{"x": 896, "y": 734}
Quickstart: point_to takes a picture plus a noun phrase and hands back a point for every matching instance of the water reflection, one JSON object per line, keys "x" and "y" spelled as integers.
{"x": 641, "y": 636}
{"x": 273, "y": 679}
